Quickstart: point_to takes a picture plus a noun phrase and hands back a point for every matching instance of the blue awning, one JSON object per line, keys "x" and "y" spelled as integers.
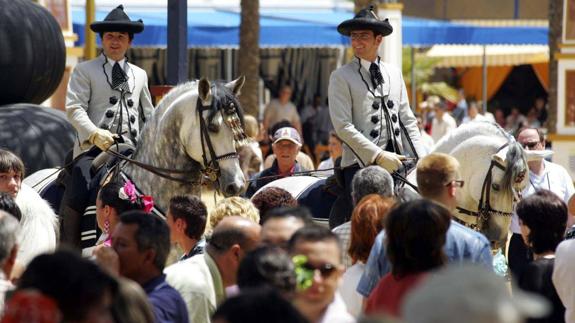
{"x": 278, "y": 28}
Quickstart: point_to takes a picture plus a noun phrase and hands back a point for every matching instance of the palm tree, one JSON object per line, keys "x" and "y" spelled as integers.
{"x": 249, "y": 55}
{"x": 555, "y": 29}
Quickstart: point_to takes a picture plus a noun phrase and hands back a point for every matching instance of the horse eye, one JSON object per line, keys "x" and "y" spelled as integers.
{"x": 495, "y": 186}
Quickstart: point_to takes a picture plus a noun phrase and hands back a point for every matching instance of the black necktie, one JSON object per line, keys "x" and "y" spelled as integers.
{"x": 376, "y": 77}
{"x": 119, "y": 79}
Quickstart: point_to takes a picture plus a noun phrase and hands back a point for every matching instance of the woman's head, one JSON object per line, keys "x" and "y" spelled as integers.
{"x": 543, "y": 220}
{"x": 415, "y": 236}
{"x": 11, "y": 172}
{"x": 112, "y": 201}
{"x": 367, "y": 221}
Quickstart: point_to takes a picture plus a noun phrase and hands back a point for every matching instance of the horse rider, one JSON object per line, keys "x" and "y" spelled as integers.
{"x": 368, "y": 103}
{"x": 108, "y": 99}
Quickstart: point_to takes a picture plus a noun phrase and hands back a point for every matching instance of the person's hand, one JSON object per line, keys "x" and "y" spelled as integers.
{"x": 108, "y": 259}
{"x": 389, "y": 161}
{"x": 103, "y": 139}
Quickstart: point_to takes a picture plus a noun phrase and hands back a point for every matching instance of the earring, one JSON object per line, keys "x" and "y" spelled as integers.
{"x": 107, "y": 226}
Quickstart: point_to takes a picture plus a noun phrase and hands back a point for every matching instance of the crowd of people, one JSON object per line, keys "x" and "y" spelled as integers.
{"x": 261, "y": 257}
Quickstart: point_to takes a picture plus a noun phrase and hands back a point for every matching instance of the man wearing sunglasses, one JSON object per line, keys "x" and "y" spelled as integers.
{"x": 543, "y": 174}
{"x": 437, "y": 180}
{"x": 319, "y": 271}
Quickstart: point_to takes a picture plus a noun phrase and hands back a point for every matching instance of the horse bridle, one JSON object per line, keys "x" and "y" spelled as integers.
{"x": 484, "y": 209}
{"x": 211, "y": 168}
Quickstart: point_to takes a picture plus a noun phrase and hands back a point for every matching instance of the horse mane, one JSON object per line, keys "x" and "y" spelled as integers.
{"x": 466, "y": 131}
{"x": 173, "y": 94}
{"x": 516, "y": 165}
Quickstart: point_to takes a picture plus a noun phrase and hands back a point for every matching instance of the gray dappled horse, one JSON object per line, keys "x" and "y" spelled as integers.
{"x": 192, "y": 135}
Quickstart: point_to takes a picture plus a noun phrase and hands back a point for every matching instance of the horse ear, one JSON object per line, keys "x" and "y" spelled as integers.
{"x": 236, "y": 85}
{"x": 204, "y": 89}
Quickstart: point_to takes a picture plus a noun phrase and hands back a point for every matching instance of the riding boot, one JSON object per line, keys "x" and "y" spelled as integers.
{"x": 70, "y": 226}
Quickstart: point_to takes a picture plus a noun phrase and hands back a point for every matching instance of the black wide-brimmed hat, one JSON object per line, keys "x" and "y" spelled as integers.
{"x": 365, "y": 19}
{"x": 118, "y": 20}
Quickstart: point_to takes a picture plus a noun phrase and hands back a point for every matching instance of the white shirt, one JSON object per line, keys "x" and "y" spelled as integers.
{"x": 440, "y": 128}
{"x": 352, "y": 299}
{"x": 555, "y": 178}
{"x": 326, "y": 164}
{"x": 336, "y": 312}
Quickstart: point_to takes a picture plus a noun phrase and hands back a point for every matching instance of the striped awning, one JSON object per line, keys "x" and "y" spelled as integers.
{"x": 497, "y": 55}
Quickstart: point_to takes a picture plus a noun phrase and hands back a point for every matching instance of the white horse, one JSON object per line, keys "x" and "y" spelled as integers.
{"x": 192, "y": 135}
{"x": 492, "y": 164}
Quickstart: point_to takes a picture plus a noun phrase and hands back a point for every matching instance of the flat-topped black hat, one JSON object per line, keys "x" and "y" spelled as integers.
{"x": 118, "y": 20}
{"x": 365, "y": 19}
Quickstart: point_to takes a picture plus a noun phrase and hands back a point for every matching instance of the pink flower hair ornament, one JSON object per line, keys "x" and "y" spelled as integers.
{"x": 128, "y": 192}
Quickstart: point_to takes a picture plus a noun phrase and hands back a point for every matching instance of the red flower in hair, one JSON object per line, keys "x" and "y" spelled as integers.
{"x": 148, "y": 203}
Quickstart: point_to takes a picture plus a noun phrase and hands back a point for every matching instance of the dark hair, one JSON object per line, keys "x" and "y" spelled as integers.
{"x": 545, "y": 214}
{"x": 300, "y": 212}
{"x": 258, "y": 306}
{"x": 75, "y": 283}
{"x": 267, "y": 266}
{"x": 416, "y": 232}
{"x": 312, "y": 233}
{"x": 110, "y": 195}
{"x": 194, "y": 213}
{"x": 8, "y": 204}
{"x": 10, "y": 162}
{"x": 153, "y": 233}
{"x": 270, "y": 198}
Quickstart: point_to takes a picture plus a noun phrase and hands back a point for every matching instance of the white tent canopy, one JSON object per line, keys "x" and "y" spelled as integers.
{"x": 496, "y": 55}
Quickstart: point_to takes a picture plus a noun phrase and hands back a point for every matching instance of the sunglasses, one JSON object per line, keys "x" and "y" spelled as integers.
{"x": 456, "y": 182}
{"x": 530, "y": 145}
{"x": 325, "y": 270}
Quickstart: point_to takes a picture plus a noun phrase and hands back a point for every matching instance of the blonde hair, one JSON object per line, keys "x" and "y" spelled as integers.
{"x": 434, "y": 171}
{"x": 231, "y": 206}
{"x": 252, "y": 126}
{"x": 131, "y": 305}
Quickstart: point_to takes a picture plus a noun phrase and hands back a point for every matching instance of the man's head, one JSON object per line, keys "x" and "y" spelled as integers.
{"x": 472, "y": 110}
{"x": 8, "y": 244}
{"x": 371, "y": 180}
{"x": 285, "y": 94}
{"x": 270, "y": 198}
{"x": 230, "y": 241}
{"x": 440, "y": 108}
{"x": 186, "y": 218}
{"x": 142, "y": 242}
{"x": 286, "y": 146}
{"x": 11, "y": 172}
{"x": 281, "y": 223}
{"x": 117, "y": 32}
{"x": 322, "y": 251}
{"x": 366, "y": 31}
{"x": 438, "y": 178}
{"x": 115, "y": 44}
{"x": 531, "y": 139}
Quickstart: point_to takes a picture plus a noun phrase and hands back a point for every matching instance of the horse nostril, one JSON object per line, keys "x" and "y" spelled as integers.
{"x": 232, "y": 189}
